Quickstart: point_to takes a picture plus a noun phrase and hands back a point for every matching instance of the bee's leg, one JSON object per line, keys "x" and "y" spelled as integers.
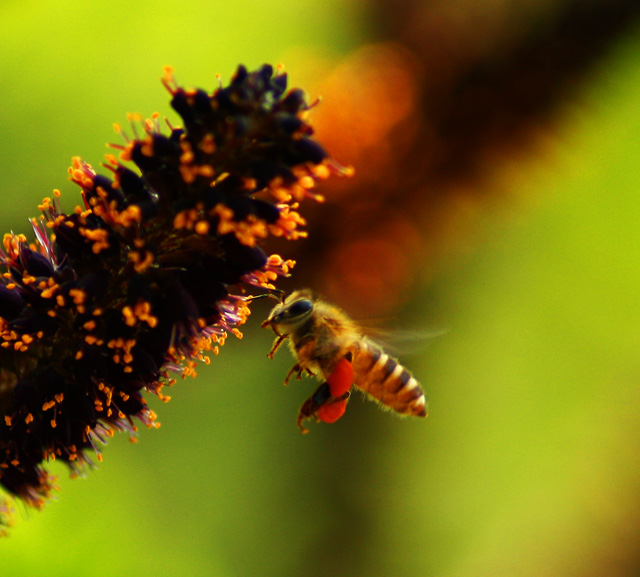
{"x": 310, "y": 407}
{"x": 297, "y": 370}
{"x": 323, "y": 406}
{"x": 276, "y": 345}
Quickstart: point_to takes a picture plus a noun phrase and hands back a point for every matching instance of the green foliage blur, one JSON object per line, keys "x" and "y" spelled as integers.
{"x": 528, "y": 462}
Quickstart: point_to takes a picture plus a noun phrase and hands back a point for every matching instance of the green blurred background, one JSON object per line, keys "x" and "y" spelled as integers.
{"x": 528, "y": 464}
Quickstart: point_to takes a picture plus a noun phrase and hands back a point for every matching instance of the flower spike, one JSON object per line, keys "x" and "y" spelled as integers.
{"x": 148, "y": 276}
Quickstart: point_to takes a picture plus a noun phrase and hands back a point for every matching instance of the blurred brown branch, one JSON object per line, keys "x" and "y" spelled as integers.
{"x": 448, "y": 92}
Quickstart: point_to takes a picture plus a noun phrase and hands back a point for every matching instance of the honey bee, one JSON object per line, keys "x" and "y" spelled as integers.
{"x": 328, "y": 344}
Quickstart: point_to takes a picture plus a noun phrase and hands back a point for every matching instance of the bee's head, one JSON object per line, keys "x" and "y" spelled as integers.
{"x": 294, "y": 311}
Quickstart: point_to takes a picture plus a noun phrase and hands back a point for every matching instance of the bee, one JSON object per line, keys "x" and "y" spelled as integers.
{"x": 326, "y": 343}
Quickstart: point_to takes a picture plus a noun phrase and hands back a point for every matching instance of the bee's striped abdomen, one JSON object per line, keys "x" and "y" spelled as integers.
{"x": 388, "y": 381}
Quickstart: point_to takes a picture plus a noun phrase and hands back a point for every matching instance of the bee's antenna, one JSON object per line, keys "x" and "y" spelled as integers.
{"x": 279, "y": 294}
{"x": 276, "y": 294}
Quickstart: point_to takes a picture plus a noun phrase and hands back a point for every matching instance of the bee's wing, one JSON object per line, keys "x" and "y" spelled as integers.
{"x": 404, "y": 341}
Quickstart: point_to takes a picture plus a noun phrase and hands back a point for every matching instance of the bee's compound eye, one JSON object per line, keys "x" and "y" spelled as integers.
{"x": 299, "y": 308}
